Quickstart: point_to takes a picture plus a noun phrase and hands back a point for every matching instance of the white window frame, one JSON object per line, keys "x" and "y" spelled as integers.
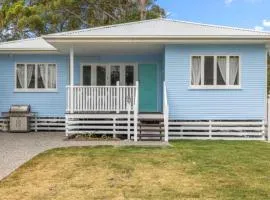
{"x": 36, "y": 89}
{"x": 215, "y": 86}
{"x": 108, "y": 71}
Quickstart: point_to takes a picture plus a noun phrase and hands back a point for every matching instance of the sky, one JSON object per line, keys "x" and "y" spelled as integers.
{"x": 252, "y": 14}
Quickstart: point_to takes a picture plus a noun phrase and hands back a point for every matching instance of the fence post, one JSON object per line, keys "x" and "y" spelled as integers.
{"x": 268, "y": 118}
{"x": 128, "y": 121}
{"x": 114, "y": 127}
{"x": 36, "y": 121}
{"x": 66, "y": 126}
{"x": 210, "y": 128}
{"x": 263, "y": 129}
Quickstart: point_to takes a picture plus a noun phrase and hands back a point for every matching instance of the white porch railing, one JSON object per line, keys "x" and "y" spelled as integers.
{"x": 100, "y": 98}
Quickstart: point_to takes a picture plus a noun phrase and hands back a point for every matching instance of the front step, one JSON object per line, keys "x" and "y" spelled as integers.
{"x": 150, "y": 116}
{"x": 150, "y": 127}
{"x": 150, "y": 137}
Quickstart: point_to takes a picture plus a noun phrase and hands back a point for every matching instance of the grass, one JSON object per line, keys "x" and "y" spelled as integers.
{"x": 188, "y": 170}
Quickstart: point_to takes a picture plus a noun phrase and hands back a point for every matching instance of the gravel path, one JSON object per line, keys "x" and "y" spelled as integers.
{"x": 17, "y": 148}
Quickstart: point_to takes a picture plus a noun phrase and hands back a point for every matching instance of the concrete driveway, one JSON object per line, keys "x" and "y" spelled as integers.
{"x": 18, "y": 148}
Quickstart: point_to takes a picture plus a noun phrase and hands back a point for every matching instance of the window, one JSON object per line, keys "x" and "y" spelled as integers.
{"x": 35, "y": 77}
{"x": 215, "y": 71}
{"x": 101, "y": 75}
{"x": 87, "y": 75}
{"x": 108, "y": 74}
{"x": 129, "y": 75}
{"x": 115, "y": 74}
{"x": 209, "y": 70}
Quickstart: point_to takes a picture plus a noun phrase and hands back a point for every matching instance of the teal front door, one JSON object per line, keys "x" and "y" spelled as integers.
{"x": 148, "y": 88}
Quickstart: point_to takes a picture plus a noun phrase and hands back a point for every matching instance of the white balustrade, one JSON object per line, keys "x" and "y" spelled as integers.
{"x": 100, "y": 98}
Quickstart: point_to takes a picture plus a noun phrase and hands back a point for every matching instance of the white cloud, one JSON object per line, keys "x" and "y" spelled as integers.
{"x": 228, "y": 2}
{"x": 259, "y": 28}
{"x": 266, "y": 23}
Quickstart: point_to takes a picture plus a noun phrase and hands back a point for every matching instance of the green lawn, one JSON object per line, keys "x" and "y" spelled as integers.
{"x": 187, "y": 170}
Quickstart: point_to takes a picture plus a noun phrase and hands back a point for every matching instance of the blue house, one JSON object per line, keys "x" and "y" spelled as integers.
{"x": 178, "y": 79}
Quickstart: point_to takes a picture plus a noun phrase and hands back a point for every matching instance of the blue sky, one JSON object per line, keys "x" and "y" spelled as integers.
{"x": 254, "y": 14}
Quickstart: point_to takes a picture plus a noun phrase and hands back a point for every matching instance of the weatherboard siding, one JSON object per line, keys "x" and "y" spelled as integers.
{"x": 45, "y": 103}
{"x": 249, "y": 102}
{"x": 54, "y": 103}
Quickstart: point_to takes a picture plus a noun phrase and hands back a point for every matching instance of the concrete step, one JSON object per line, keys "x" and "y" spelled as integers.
{"x": 150, "y": 116}
{"x": 150, "y": 125}
{"x": 150, "y": 130}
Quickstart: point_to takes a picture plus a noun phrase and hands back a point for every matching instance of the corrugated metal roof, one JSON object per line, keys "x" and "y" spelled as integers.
{"x": 28, "y": 44}
{"x": 149, "y": 28}
{"x": 163, "y": 27}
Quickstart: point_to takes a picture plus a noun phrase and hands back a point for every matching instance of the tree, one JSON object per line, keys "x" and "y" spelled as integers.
{"x": 32, "y": 18}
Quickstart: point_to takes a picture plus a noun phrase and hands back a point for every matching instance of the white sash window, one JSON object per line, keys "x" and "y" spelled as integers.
{"x": 32, "y": 77}
{"x": 109, "y": 74}
{"x": 215, "y": 72}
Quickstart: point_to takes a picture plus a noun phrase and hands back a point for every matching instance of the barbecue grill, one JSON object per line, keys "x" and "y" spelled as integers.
{"x": 19, "y": 118}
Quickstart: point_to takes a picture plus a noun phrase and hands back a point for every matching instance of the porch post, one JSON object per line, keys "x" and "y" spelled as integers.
{"x": 71, "y": 64}
{"x": 136, "y": 111}
{"x": 71, "y": 78}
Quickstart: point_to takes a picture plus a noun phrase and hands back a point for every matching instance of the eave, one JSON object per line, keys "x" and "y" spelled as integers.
{"x": 27, "y": 51}
{"x": 157, "y": 39}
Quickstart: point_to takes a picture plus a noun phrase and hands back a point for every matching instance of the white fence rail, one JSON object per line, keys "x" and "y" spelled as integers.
{"x": 217, "y": 129}
{"x": 125, "y": 124}
{"x": 51, "y": 124}
{"x": 115, "y": 124}
{"x": 100, "y": 98}
{"x": 39, "y": 124}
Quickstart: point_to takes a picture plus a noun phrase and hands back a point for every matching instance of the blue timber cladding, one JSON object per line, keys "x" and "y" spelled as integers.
{"x": 249, "y": 102}
{"x": 54, "y": 103}
{"x": 45, "y": 103}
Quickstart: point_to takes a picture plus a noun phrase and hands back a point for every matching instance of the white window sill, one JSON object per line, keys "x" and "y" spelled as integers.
{"x": 35, "y": 91}
{"x": 215, "y": 87}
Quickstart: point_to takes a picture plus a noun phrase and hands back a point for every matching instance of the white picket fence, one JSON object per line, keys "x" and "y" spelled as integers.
{"x": 85, "y": 99}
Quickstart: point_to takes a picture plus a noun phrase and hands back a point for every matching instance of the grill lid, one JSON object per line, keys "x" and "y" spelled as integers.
{"x": 20, "y": 109}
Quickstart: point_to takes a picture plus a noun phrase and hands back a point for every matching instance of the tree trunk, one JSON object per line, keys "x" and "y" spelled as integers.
{"x": 143, "y": 11}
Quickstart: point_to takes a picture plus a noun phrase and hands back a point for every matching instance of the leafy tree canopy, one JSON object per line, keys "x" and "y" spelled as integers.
{"x": 30, "y": 18}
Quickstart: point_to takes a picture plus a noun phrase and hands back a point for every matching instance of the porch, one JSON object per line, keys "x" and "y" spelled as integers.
{"x": 113, "y": 110}
{"x": 116, "y": 93}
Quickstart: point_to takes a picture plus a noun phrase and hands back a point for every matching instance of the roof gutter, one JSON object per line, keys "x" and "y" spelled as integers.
{"x": 23, "y": 51}
{"x": 155, "y": 39}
